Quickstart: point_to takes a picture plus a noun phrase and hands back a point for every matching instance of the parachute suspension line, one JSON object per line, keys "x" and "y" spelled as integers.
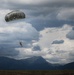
{"x": 14, "y": 15}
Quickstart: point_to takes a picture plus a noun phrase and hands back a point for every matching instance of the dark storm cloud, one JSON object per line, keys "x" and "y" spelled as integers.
{"x": 71, "y": 56}
{"x": 39, "y": 8}
{"x": 47, "y": 3}
{"x": 41, "y": 24}
{"x": 8, "y": 51}
{"x": 44, "y": 7}
{"x": 58, "y": 42}
{"x": 41, "y": 14}
{"x": 73, "y": 28}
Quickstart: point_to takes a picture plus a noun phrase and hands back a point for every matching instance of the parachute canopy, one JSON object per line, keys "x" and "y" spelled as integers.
{"x": 14, "y": 15}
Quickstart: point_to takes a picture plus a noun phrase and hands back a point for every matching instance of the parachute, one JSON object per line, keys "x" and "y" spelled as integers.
{"x": 13, "y": 15}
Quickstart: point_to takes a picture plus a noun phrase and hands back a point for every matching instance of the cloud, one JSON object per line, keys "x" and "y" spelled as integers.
{"x": 50, "y": 3}
{"x": 53, "y": 53}
{"x": 28, "y": 52}
{"x": 35, "y": 43}
{"x": 51, "y": 34}
{"x": 66, "y": 14}
{"x": 70, "y": 35}
{"x": 61, "y": 53}
{"x": 36, "y": 47}
{"x": 58, "y": 42}
{"x": 55, "y": 13}
{"x": 14, "y": 32}
{"x": 57, "y": 51}
{"x": 8, "y": 51}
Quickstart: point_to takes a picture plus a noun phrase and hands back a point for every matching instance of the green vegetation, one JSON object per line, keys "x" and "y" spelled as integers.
{"x": 36, "y": 72}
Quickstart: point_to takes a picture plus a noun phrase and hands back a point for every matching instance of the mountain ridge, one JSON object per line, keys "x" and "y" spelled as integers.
{"x": 33, "y": 63}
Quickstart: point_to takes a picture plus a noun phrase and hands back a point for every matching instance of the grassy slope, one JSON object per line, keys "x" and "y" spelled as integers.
{"x": 50, "y": 72}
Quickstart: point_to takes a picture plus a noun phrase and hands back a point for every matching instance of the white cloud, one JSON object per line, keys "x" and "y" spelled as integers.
{"x": 28, "y": 52}
{"x": 53, "y": 53}
{"x": 51, "y": 34}
{"x": 57, "y": 53}
{"x": 16, "y": 30}
{"x": 61, "y": 52}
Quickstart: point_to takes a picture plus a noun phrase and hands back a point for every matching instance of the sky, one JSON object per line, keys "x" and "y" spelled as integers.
{"x": 47, "y": 30}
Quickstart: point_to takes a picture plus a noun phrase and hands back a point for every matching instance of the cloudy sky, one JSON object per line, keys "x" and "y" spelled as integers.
{"x": 47, "y": 30}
